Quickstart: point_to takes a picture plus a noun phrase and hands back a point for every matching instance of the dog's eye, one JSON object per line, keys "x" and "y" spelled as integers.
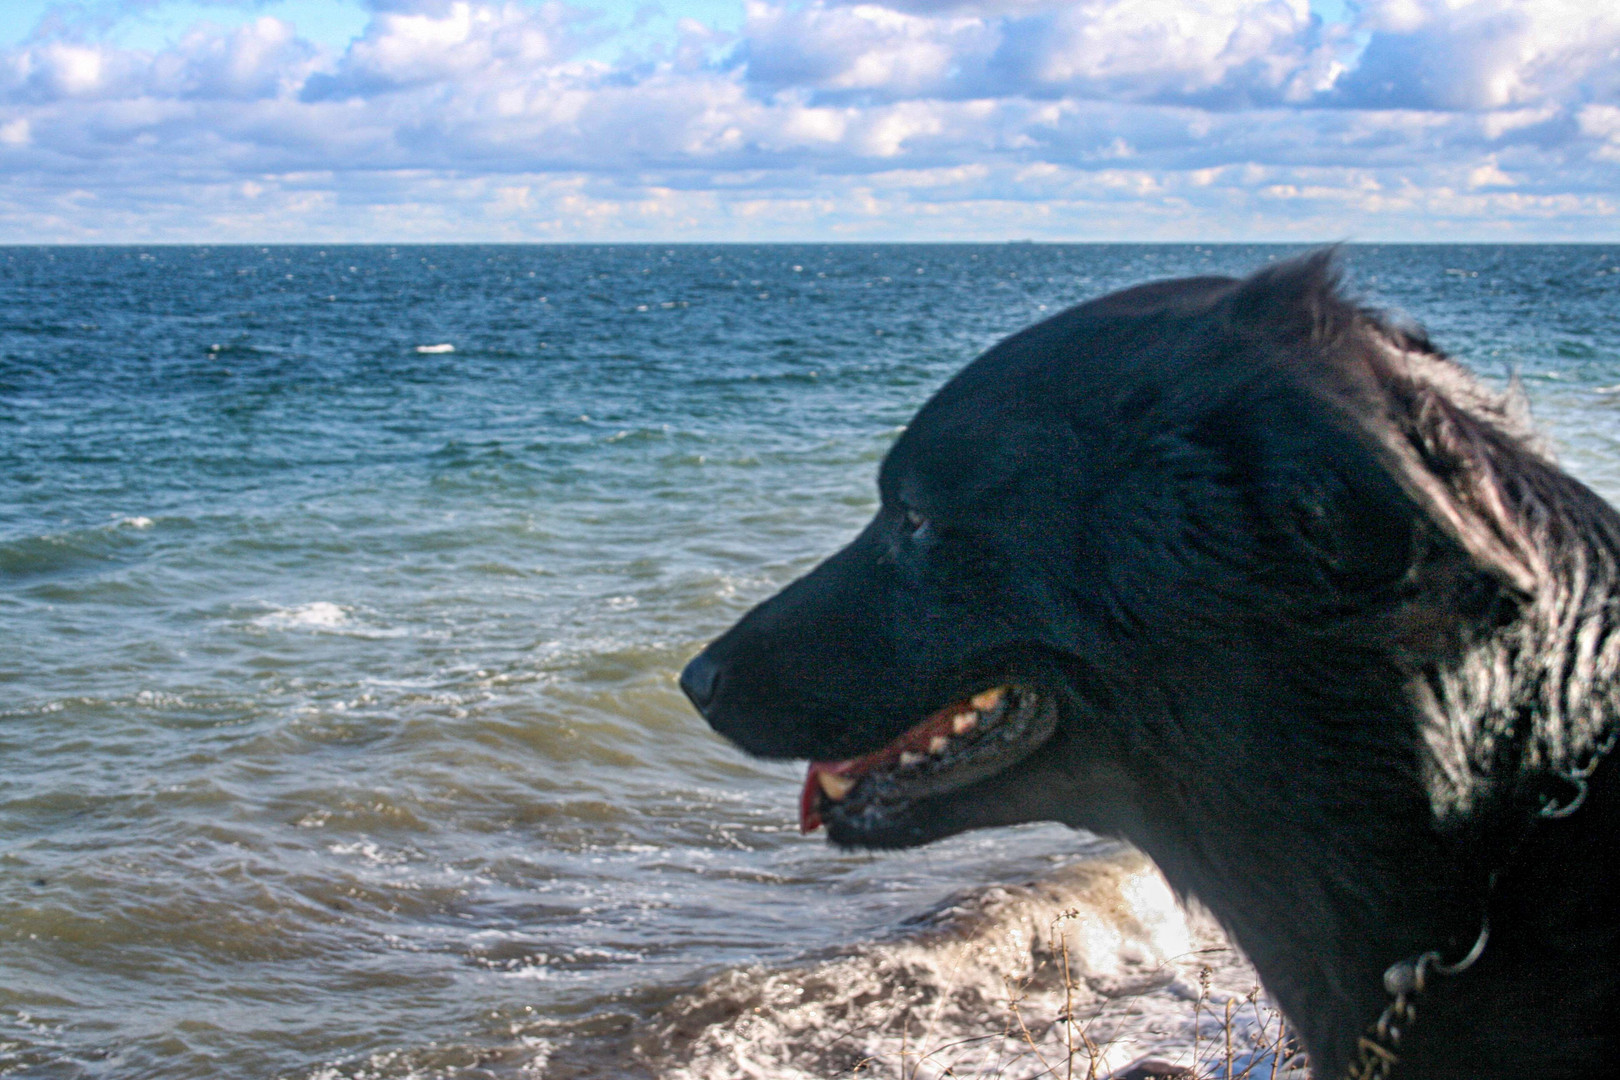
{"x": 915, "y": 522}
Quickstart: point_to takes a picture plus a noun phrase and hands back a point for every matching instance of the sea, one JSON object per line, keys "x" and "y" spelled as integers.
{"x": 343, "y": 592}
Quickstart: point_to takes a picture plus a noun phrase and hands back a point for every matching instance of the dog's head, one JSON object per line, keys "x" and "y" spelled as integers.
{"x": 1148, "y": 531}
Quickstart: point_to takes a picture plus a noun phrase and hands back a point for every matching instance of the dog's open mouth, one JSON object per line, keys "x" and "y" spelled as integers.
{"x": 962, "y": 743}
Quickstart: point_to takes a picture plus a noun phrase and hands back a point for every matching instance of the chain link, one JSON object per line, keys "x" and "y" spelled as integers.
{"x": 1377, "y": 1049}
{"x": 1553, "y": 808}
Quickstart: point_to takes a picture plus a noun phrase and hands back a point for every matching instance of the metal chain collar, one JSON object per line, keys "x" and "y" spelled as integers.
{"x": 1404, "y": 980}
{"x": 1377, "y": 1049}
{"x": 1551, "y": 807}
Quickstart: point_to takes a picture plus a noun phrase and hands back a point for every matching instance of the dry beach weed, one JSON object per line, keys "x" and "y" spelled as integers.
{"x": 1232, "y": 1037}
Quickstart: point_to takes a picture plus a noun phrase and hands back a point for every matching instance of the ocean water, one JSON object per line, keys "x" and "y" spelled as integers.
{"x": 343, "y": 592}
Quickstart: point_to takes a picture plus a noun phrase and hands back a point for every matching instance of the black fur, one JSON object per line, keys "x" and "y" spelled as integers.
{"x": 1320, "y": 618}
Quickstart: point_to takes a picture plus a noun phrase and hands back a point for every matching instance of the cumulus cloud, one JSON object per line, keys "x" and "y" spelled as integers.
{"x": 264, "y": 59}
{"x": 1485, "y": 54}
{"x": 1220, "y": 53}
{"x": 447, "y": 43}
{"x": 498, "y": 118}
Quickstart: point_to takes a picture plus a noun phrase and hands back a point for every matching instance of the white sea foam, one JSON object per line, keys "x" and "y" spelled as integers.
{"x": 370, "y": 852}
{"x": 318, "y": 615}
{"x": 325, "y": 617}
{"x": 977, "y": 988}
{"x": 137, "y": 522}
{"x": 537, "y": 972}
{"x": 443, "y": 347}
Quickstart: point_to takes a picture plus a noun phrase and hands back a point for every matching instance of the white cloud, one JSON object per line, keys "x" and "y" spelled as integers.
{"x": 1602, "y": 123}
{"x": 482, "y": 118}
{"x": 447, "y": 43}
{"x": 1485, "y": 54}
{"x": 263, "y": 59}
{"x": 865, "y": 47}
{"x": 1216, "y": 52}
{"x": 1229, "y": 50}
{"x": 56, "y": 69}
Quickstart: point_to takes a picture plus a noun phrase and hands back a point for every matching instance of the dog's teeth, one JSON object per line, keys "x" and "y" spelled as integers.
{"x": 911, "y": 757}
{"x": 964, "y": 722}
{"x": 989, "y": 699}
{"x": 834, "y": 786}
{"x": 937, "y": 744}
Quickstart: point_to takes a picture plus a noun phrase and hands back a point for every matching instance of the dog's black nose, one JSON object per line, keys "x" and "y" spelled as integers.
{"x": 700, "y": 680}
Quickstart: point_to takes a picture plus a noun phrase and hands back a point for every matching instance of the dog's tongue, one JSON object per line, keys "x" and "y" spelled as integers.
{"x": 835, "y": 778}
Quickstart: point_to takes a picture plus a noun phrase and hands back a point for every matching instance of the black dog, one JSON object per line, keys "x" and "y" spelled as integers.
{"x": 1241, "y": 572}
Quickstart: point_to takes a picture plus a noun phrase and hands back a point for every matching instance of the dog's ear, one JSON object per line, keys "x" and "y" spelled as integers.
{"x": 1453, "y": 446}
{"x": 1294, "y": 303}
{"x": 1449, "y": 445}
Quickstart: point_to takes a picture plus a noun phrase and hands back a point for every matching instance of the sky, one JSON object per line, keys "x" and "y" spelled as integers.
{"x": 329, "y": 121}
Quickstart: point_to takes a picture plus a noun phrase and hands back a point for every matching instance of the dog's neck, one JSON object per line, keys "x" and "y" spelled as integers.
{"x": 1322, "y": 899}
{"x": 1392, "y": 837}
{"x": 1400, "y": 805}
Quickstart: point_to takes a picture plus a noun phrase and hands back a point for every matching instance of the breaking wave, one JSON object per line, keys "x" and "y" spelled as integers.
{"x": 1097, "y": 965}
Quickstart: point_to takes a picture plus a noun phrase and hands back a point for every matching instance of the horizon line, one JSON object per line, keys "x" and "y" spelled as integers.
{"x": 1019, "y": 241}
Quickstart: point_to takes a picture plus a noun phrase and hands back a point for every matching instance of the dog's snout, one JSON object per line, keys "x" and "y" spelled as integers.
{"x": 700, "y": 680}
